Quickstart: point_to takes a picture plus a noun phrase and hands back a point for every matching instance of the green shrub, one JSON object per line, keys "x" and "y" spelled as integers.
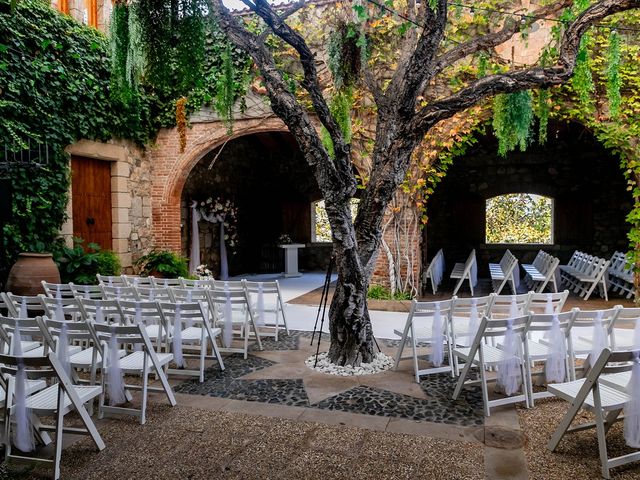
{"x": 378, "y": 292}
{"x": 80, "y": 264}
{"x": 108, "y": 263}
{"x": 163, "y": 263}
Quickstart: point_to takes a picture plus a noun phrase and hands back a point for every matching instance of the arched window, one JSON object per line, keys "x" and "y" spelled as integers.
{"x": 320, "y": 228}
{"x": 519, "y": 218}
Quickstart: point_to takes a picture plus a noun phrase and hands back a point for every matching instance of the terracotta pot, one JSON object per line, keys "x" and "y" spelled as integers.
{"x": 29, "y": 270}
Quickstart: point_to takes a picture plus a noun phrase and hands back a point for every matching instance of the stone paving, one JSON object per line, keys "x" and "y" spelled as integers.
{"x": 431, "y": 402}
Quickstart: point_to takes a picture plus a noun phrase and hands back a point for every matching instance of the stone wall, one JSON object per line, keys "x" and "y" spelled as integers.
{"x": 583, "y": 178}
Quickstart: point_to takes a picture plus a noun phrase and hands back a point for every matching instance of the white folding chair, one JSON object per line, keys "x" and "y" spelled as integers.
{"x": 272, "y": 306}
{"x": 539, "y": 348}
{"x": 52, "y": 290}
{"x": 166, "y": 282}
{"x": 32, "y": 343}
{"x": 196, "y": 334}
{"x": 70, "y": 307}
{"x": 420, "y": 328}
{"x": 541, "y": 302}
{"x": 111, "y": 280}
{"x": 119, "y": 293}
{"x": 147, "y": 313}
{"x": 242, "y": 323}
{"x": 155, "y": 294}
{"x": 606, "y": 402}
{"x": 466, "y": 271}
{"x": 464, "y": 321}
{"x": 191, "y": 283}
{"x": 89, "y": 292}
{"x": 502, "y": 304}
{"x": 141, "y": 363}
{"x": 61, "y": 398}
{"x": 483, "y": 355}
{"x": 18, "y": 305}
{"x": 138, "y": 281}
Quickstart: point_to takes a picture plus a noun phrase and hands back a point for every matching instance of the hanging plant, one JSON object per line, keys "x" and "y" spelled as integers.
{"x": 340, "y": 107}
{"x": 119, "y": 43}
{"x": 582, "y": 79}
{"x": 190, "y": 45}
{"x": 542, "y": 110}
{"x": 225, "y": 94}
{"x": 344, "y": 50}
{"x": 512, "y": 119}
{"x": 181, "y": 122}
{"x": 613, "y": 75}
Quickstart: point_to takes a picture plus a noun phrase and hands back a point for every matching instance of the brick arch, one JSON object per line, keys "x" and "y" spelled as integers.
{"x": 170, "y": 169}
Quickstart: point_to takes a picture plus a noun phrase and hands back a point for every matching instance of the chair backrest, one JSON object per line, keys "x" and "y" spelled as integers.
{"x": 501, "y": 305}
{"x": 428, "y": 309}
{"x": 90, "y": 292}
{"x": 462, "y": 306}
{"x": 200, "y": 283}
{"x": 134, "y": 311}
{"x": 189, "y": 295}
{"x": 538, "y": 301}
{"x": 36, "y": 368}
{"x": 111, "y": 280}
{"x": 119, "y": 292}
{"x": 151, "y": 293}
{"x": 138, "y": 281}
{"x": 51, "y": 290}
{"x": 490, "y": 329}
{"x": 228, "y": 284}
{"x": 219, "y": 297}
{"x": 32, "y": 303}
{"x": 109, "y": 308}
{"x": 626, "y": 318}
{"x": 166, "y": 282}
{"x": 125, "y": 334}
{"x": 191, "y": 313}
{"x": 75, "y": 331}
{"x": 29, "y": 328}
{"x": 70, "y": 307}
{"x": 608, "y": 362}
{"x": 270, "y": 287}
{"x": 586, "y": 318}
{"x": 543, "y": 322}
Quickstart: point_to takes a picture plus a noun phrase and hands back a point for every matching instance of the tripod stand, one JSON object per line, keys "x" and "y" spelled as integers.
{"x": 322, "y": 306}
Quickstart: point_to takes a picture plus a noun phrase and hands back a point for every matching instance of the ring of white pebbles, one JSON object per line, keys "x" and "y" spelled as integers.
{"x": 381, "y": 362}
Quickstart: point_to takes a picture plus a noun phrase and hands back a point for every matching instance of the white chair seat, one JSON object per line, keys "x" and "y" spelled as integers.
{"x": 46, "y": 401}
{"x": 458, "y": 270}
{"x": 611, "y": 398}
{"x": 133, "y": 363}
{"x": 537, "y": 350}
{"x": 33, "y": 386}
{"x": 83, "y": 359}
{"x": 39, "y": 352}
{"x": 153, "y": 331}
{"x": 582, "y": 345}
{"x": 422, "y": 334}
{"x": 492, "y": 355}
{"x": 618, "y": 381}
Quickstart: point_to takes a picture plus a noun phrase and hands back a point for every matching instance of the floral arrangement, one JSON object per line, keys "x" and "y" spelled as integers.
{"x": 284, "y": 239}
{"x": 203, "y": 272}
{"x": 216, "y": 210}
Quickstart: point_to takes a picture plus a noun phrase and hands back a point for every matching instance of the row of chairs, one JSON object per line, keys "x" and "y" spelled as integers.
{"x": 541, "y": 272}
{"x": 583, "y": 273}
{"x": 504, "y": 272}
{"x": 621, "y": 276}
{"x": 40, "y": 363}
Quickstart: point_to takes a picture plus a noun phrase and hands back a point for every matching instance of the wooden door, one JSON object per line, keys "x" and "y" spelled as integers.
{"x": 91, "y": 200}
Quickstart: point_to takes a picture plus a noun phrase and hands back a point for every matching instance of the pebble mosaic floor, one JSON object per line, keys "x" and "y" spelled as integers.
{"x": 438, "y": 407}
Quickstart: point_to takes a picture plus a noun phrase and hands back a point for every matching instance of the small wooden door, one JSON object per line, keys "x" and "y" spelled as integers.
{"x": 91, "y": 200}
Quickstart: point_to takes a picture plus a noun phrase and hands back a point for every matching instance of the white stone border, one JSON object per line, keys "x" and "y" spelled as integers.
{"x": 381, "y": 362}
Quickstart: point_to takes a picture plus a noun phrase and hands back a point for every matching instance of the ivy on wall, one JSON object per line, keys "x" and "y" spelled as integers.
{"x": 55, "y": 84}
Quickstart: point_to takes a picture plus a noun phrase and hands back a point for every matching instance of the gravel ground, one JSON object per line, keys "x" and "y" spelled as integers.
{"x": 577, "y": 455}
{"x": 186, "y": 443}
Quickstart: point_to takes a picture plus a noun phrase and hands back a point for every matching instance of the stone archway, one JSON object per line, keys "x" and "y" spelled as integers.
{"x": 170, "y": 169}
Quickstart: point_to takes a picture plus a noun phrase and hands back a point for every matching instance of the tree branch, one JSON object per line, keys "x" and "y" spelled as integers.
{"x": 514, "y": 81}
{"x": 284, "y": 15}
{"x": 310, "y": 82}
{"x": 491, "y": 40}
{"x": 330, "y": 177}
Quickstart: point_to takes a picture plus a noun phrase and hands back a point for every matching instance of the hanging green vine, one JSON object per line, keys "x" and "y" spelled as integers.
{"x": 344, "y": 52}
{"x": 512, "y": 120}
{"x": 543, "y": 108}
{"x": 614, "y": 82}
{"x": 582, "y": 80}
{"x": 340, "y": 106}
{"x": 225, "y": 95}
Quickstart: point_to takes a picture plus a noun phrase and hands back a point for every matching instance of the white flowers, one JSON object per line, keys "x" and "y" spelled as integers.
{"x": 203, "y": 272}
{"x": 221, "y": 211}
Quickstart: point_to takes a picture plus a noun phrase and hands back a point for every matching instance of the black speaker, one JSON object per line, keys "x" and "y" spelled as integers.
{"x": 5, "y": 201}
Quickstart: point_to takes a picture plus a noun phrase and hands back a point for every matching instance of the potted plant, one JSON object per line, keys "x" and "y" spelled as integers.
{"x": 162, "y": 264}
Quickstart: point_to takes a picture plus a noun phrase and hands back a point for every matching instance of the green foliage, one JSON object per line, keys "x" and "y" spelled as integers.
{"x": 225, "y": 91}
{"x": 344, "y": 53}
{"x": 512, "y": 120}
{"x": 542, "y": 111}
{"x": 613, "y": 74}
{"x": 582, "y": 80}
{"x": 163, "y": 263}
{"x": 55, "y": 85}
{"x": 379, "y": 292}
{"x": 80, "y": 265}
{"x": 519, "y": 218}
{"x": 340, "y": 106}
